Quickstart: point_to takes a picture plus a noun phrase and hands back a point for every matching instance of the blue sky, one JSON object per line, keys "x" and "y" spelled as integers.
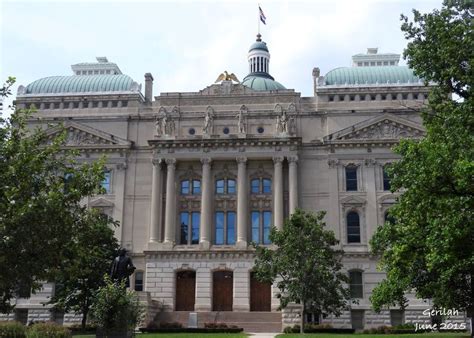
{"x": 187, "y": 44}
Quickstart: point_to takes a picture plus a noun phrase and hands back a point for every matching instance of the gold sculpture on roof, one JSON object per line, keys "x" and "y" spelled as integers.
{"x": 227, "y": 77}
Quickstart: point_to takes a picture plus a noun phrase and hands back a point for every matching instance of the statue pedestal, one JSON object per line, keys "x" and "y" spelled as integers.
{"x": 242, "y": 135}
{"x": 284, "y": 134}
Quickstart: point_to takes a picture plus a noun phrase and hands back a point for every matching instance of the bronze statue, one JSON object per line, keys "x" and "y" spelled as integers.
{"x": 122, "y": 267}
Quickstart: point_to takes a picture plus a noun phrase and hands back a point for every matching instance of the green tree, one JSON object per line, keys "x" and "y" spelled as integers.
{"x": 305, "y": 265}
{"x": 429, "y": 247}
{"x": 88, "y": 259}
{"x": 40, "y": 210}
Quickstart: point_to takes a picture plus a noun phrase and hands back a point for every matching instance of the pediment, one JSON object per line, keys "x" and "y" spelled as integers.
{"x": 352, "y": 200}
{"x": 101, "y": 203}
{"x": 82, "y": 136}
{"x": 386, "y": 127}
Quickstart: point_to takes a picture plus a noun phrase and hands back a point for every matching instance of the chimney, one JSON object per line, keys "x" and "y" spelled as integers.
{"x": 148, "y": 87}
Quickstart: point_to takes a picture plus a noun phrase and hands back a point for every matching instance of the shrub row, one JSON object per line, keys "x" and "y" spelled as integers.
{"x": 312, "y": 328}
{"x": 191, "y": 330}
{"x": 13, "y": 329}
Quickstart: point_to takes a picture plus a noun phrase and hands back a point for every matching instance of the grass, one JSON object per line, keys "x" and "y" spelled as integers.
{"x": 417, "y": 335}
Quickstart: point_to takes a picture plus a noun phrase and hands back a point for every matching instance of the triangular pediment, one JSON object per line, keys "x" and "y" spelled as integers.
{"x": 82, "y": 136}
{"x": 352, "y": 200}
{"x": 101, "y": 203}
{"x": 386, "y": 127}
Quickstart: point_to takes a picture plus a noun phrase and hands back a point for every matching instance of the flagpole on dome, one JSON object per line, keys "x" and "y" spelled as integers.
{"x": 261, "y": 17}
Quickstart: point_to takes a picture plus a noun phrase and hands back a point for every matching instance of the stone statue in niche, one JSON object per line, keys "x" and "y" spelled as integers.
{"x": 158, "y": 126}
{"x": 208, "y": 122}
{"x": 241, "y": 120}
{"x": 167, "y": 125}
{"x": 282, "y": 123}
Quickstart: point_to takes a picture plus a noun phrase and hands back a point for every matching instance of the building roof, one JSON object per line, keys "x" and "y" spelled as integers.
{"x": 370, "y": 75}
{"x": 259, "y": 82}
{"x": 82, "y": 84}
{"x": 258, "y": 45}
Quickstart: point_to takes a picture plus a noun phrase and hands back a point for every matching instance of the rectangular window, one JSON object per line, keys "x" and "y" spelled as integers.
{"x": 231, "y": 227}
{"x": 195, "y": 222}
{"x": 105, "y": 184}
{"x": 255, "y": 186}
{"x": 386, "y": 180}
{"x": 267, "y": 224}
{"x": 184, "y": 187}
{"x": 396, "y": 317}
{"x": 267, "y": 186}
{"x": 355, "y": 282}
{"x": 256, "y": 226}
{"x": 231, "y": 186}
{"x": 219, "y": 186}
{"x": 196, "y": 187}
{"x": 184, "y": 217}
{"x": 219, "y": 228}
{"x": 351, "y": 178}
{"x": 139, "y": 281}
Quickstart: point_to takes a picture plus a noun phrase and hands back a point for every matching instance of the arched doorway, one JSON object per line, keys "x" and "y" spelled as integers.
{"x": 260, "y": 294}
{"x": 185, "y": 290}
{"x": 222, "y": 290}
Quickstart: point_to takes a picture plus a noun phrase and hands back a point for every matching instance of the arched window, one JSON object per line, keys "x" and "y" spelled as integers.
{"x": 190, "y": 187}
{"x": 261, "y": 186}
{"x": 353, "y": 227}
{"x": 386, "y": 178}
{"x": 225, "y": 186}
{"x": 355, "y": 284}
{"x": 351, "y": 178}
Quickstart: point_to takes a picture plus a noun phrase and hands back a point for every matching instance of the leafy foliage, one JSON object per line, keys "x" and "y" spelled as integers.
{"x": 48, "y": 330}
{"x": 305, "y": 265}
{"x": 41, "y": 215}
{"x": 429, "y": 247}
{"x": 12, "y": 329}
{"x": 115, "y": 307}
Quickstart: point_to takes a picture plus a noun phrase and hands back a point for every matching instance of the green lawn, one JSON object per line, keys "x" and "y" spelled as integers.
{"x": 415, "y": 335}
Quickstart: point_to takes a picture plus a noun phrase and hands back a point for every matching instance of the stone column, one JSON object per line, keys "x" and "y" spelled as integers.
{"x": 155, "y": 208}
{"x": 170, "y": 215}
{"x": 293, "y": 183}
{"x": 278, "y": 192}
{"x": 206, "y": 215}
{"x": 242, "y": 213}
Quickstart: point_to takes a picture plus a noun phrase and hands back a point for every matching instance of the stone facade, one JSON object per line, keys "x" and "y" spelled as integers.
{"x": 196, "y": 177}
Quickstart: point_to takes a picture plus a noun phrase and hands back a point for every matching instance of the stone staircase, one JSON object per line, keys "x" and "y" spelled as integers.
{"x": 249, "y": 321}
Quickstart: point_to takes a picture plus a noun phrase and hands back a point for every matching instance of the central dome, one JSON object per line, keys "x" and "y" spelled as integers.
{"x": 259, "y": 77}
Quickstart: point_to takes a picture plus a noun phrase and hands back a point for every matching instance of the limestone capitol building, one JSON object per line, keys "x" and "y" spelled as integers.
{"x": 195, "y": 177}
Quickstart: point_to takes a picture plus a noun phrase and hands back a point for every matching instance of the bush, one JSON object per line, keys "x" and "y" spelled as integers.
{"x": 12, "y": 329}
{"x": 171, "y": 325}
{"x": 216, "y": 326}
{"x": 316, "y": 327}
{"x": 48, "y": 330}
{"x": 115, "y": 308}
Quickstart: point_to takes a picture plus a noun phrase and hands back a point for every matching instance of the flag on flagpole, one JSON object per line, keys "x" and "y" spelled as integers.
{"x": 262, "y": 16}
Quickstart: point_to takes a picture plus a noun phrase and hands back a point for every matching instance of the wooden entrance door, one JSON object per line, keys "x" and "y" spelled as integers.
{"x": 185, "y": 290}
{"x": 222, "y": 294}
{"x": 260, "y": 294}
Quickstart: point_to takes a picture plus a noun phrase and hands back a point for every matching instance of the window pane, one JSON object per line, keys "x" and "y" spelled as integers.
{"x": 267, "y": 224}
{"x": 139, "y": 281}
{"x": 219, "y": 228}
{"x": 255, "y": 226}
{"x": 353, "y": 227}
{"x": 219, "y": 186}
{"x": 196, "y": 220}
{"x": 386, "y": 180}
{"x": 267, "y": 186}
{"x": 184, "y": 187}
{"x": 184, "y": 217}
{"x": 351, "y": 178}
{"x": 355, "y": 282}
{"x": 106, "y": 182}
{"x": 231, "y": 186}
{"x": 196, "y": 187}
{"x": 255, "y": 186}
{"x": 231, "y": 227}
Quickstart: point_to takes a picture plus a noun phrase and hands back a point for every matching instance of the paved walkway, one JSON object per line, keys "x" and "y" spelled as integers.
{"x": 263, "y": 335}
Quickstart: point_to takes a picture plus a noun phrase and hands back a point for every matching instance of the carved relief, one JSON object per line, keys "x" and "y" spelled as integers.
{"x": 383, "y": 130}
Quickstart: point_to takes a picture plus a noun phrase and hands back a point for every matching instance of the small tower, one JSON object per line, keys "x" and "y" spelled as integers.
{"x": 259, "y": 57}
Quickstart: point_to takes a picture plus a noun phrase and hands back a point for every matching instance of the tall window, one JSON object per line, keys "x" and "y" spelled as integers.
{"x": 192, "y": 187}
{"x": 355, "y": 284}
{"x": 351, "y": 178}
{"x": 386, "y": 179}
{"x": 138, "y": 280}
{"x": 105, "y": 184}
{"x": 225, "y": 227}
{"x": 225, "y": 186}
{"x": 353, "y": 227}
{"x": 190, "y": 222}
{"x": 261, "y": 224}
{"x": 261, "y": 186}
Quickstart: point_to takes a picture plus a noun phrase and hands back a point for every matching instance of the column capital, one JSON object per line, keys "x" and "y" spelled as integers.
{"x": 170, "y": 161}
{"x": 241, "y": 159}
{"x": 278, "y": 159}
{"x": 292, "y": 159}
{"x": 156, "y": 161}
{"x": 206, "y": 160}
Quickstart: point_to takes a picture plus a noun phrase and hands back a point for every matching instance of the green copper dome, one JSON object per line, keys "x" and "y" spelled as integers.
{"x": 261, "y": 83}
{"x": 370, "y": 75}
{"x": 81, "y": 84}
{"x": 259, "y": 45}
